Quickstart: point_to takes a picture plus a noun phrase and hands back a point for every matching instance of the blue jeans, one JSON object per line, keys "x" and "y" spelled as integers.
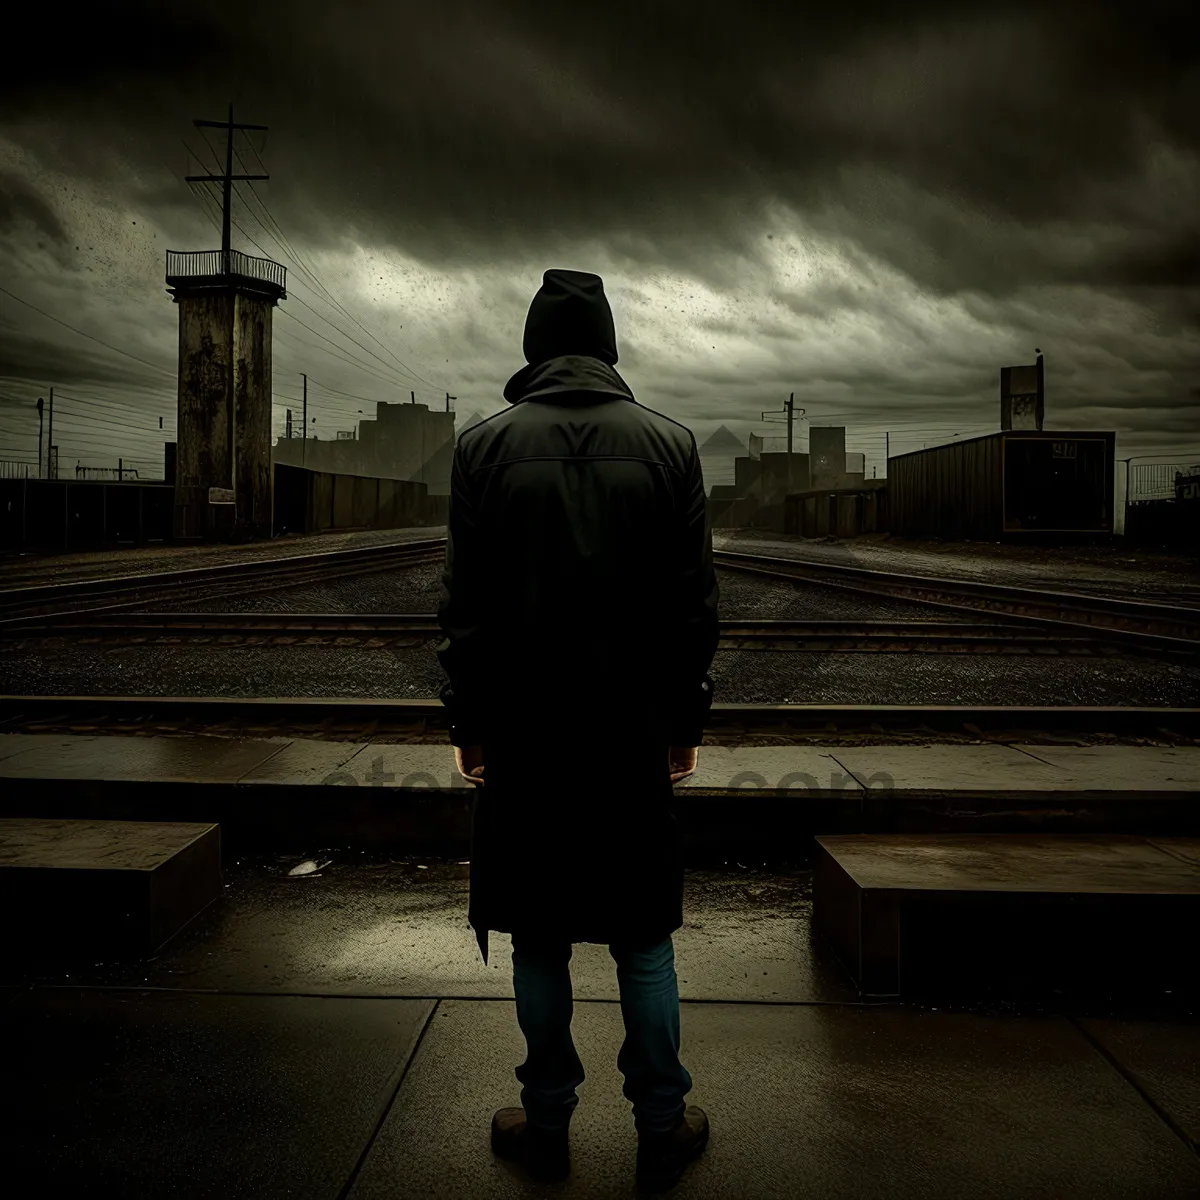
{"x": 655, "y": 1080}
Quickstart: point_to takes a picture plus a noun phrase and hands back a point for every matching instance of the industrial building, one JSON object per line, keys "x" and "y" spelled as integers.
{"x": 403, "y": 442}
{"x": 763, "y": 481}
{"x": 1023, "y": 482}
{"x": 718, "y": 454}
{"x": 1013, "y": 484}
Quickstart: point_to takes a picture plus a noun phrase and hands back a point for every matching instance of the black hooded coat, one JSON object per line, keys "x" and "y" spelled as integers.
{"x": 579, "y": 607}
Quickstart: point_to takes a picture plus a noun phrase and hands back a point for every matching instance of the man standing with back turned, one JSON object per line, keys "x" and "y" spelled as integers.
{"x": 579, "y": 604}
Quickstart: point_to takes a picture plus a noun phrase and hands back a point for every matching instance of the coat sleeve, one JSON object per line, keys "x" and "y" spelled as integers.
{"x": 462, "y": 653}
{"x": 698, "y": 628}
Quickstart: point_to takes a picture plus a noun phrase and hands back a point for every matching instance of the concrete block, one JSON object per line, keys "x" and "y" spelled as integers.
{"x": 875, "y": 895}
{"x": 77, "y": 886}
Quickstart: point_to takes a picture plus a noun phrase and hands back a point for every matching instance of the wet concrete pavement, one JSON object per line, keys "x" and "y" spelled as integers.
{"x": 337, "y": 1034}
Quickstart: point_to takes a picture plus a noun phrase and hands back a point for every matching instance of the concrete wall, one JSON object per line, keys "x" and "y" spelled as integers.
{"x": 317, "y": 501}
{"x": 62, "y": 514}
{"x": 827, "y": 454}
{"x": 746, "y": 471}
{"x": 782, "y": 474}
{"x": 252, "y": 323}
{"x": 770, "y": 477}
{"x": 836, "y": 514}
{"x": 732, "y": 512}
{"x": 204, "y": 412}
{"x": 1169, "y": 523}
{"x": 223, "y": 414}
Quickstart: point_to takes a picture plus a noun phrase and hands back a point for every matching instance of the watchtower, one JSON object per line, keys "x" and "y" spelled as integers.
{"x": 223, "y": 458}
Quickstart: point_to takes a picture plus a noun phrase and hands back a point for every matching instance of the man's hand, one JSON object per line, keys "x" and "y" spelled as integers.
{"x": 469, "y": 760}
{"x": 683, "y": 762}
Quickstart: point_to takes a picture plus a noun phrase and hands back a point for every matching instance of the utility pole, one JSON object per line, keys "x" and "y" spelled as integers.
{"x": 789, "y": 407}
{"x": 40, "y": 404}
{"x": 227, "y": 179}
{"x": 305, "y": 410}
{"x": 412, "y": 397}
{"x": 50, "y": 438}
{"x": 448, "y": 399}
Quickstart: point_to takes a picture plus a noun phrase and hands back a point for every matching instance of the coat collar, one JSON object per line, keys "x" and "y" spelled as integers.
{"x": 557, "y": 378}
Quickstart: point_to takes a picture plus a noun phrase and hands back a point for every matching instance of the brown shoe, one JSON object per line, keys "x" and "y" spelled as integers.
{"x": 663, "y": 1157}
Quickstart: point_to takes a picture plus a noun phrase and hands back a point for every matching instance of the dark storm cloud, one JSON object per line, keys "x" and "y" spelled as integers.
{"x": 19, "y": 204}
{"x": 872, "y": 205}
{"x": 65, "y": 363}
{"x": 940, "y": 137}
{"x": 26, "y": 217}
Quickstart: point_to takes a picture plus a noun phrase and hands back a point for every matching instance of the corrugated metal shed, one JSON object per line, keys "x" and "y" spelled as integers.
{"x": 1012, "y": 484}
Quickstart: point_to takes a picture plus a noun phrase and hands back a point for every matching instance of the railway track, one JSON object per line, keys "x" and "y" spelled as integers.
{"x": 1152, "y": 627}
{"x": 413, "y": 629}
{"x": 342, "y": 719}
{"x": 102, "y": 596}
{"x": 1160, "y": 629}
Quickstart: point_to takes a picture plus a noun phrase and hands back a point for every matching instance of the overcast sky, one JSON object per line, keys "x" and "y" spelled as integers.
{"x": 875, "y": 211}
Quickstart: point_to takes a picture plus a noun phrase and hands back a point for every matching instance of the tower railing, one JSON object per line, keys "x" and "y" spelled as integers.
{"x": 193, "y": 265}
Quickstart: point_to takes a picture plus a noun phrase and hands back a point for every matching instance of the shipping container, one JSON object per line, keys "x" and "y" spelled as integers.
{"x": 1017, "y": 485}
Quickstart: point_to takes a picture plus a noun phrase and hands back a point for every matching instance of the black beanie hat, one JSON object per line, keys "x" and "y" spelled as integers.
{"x": 570, "y": 315}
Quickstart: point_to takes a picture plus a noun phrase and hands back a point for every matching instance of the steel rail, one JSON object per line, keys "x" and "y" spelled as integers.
{"x": 340, "y": 716}
{"x": 124, "y": 591}
{"x": 798, "y": 635}
{"x": 1158, "y": 628}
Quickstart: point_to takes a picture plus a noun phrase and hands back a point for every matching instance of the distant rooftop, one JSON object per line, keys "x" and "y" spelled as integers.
{"x": 195, "y": 269}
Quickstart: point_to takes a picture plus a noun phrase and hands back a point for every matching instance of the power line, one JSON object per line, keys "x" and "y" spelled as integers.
{"x": 107, "y": 402}
{"x": 80, "y": 424}
{"x": 227, "y": 176}
{"x": 311, "y": 271}
{"x": 331, "y": 299}
{"x": 118, "y": 420}
{"x": 81, "y": 333}
{"x": 351, "y": 395}
{"x": 213, "y": 150}
{"x": 342, "y": 357}
{"x": 347, "y": 336}
{"x": 342, "y": 352}
{"x": 321, "y": 316}
{"x": 275, "y": 230}
{"x": 107, "y": 411}
{"x": 205, "y": 199}
{"x": 394, "y": 383}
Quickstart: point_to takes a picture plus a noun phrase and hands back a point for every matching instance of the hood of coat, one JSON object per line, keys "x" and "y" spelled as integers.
{"x": 569, "y": 314}
{"x": 568, "y": 326}
{"x": 573, "y": 376}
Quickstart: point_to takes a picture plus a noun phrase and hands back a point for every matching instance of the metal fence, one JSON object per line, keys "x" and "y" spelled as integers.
{"x": 1156, "y": 481}
{"x": 11, "y": 468}
{"x": 209, "y": 264}
{"x": 118, "y": 473}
